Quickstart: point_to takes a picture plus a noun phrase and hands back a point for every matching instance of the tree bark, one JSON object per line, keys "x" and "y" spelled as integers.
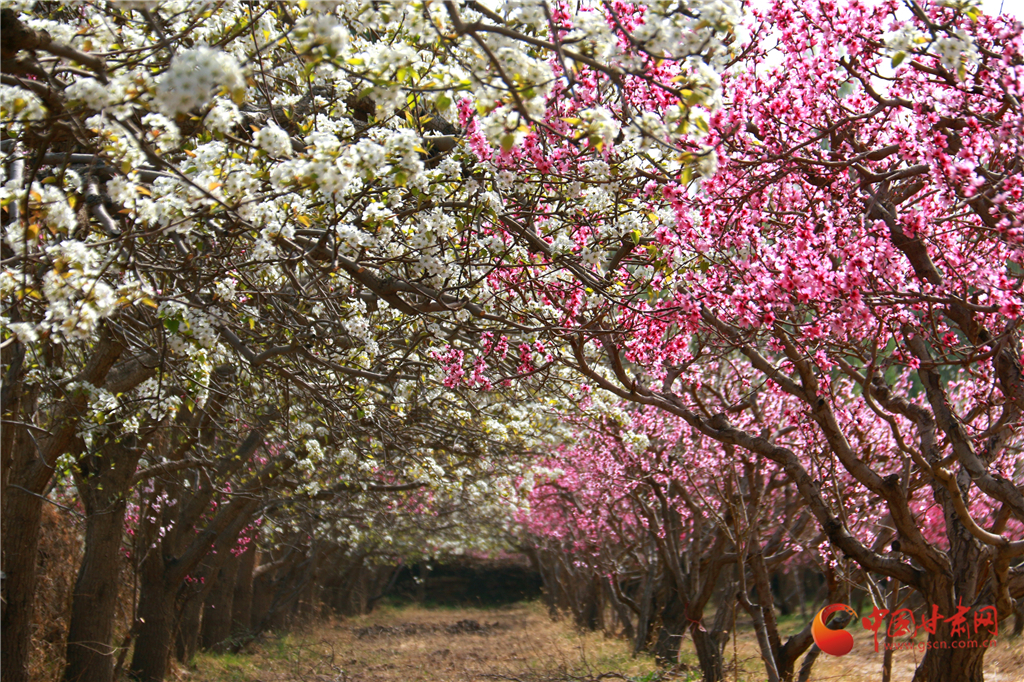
{"x": 951, "y": 665}
{"x": 643, "y": 621}
{"x": 155, "y": 622}
{"x": 30, "y": 467}
{"x": 709, "y": 655}
{"x": 186, "y": 630}
{"x": 21, "y": 544}
{"x": 672, "y": 630}
{"x": 808, "y": 664}
{"x": 241, "y": 602}
{"x": 619, "y": 609}
{"x": 216, "y": 630}
{"x": 102, "y": 481}
{"x": 590, "y": 605}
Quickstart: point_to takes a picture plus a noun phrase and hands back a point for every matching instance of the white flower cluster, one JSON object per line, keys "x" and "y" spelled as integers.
{"x": 192, "y": 77}
{"x": 224, "y": 290}
{"x": 402, "y": 150}
{"x": 528, "y": 12}
{"x": 321, "y": 31}
{"x": 57, "y": 211}
{"x": 119, "y": 148}
{"x": 350, "y": 238}
{"x": 163, "y": 130}
{"x": 954, "y": 49}
{"x": 223, "y": 117}
{"x": 93, "y": 94}
{"x": 707, "y": 162}
{"x": 185, "y": 323}
{"x": 21, "y": 105}
{"x": 906, "y": 38}
{"x": 161, "y": 404}
{"x": 102, "y": 407}
{"x": 359, "y": 327}
{"x": 377, "y": 212}
{"x": 314, "y": 450}
{"x": 274, "y": 141}
{"x": 76, "y": 296}
{"x": 601, "y": 124}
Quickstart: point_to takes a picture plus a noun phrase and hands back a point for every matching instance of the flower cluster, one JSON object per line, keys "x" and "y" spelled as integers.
{"x": 193, "y": 78}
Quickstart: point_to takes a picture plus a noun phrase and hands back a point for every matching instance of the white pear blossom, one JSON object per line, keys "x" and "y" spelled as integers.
{"x": 193, "y": 77}
{"x": 274, "y": 141}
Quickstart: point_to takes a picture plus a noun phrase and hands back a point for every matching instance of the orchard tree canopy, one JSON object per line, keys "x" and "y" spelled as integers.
{"x": 332, "y": 265}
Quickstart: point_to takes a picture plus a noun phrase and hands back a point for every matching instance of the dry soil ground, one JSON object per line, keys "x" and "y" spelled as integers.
{"x": 518, "y": 643}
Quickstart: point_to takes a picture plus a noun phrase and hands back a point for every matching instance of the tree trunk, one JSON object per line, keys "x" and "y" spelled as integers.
{"x": 951, "y": 665}
{"x": 90, "y": 651}
{"x": 547, "y": 587}
{"x": 241, "y": 602}
{"x": 102, "y": 483}
{"x": 894, "y": 597}
{"x": 216, "y": 631}
{"x": 262, "y": 598}
{"x": 590, "y": 606}
{"x": 643, "y": 620}
{"x": 808, "y": 665}
{"x": 709, "y": 655}
{"x": 187, "y": 625}
{"x": 30, "y": 467}
{"x": 672, "y": 630}
{"x": 156, "y": 630}
{"x": 619, "y": 609}
{"x": 22, "y": 517}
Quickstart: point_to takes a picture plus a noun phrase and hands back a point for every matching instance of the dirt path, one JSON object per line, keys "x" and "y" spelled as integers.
{"x": 518, "y": 643}
{"x": 432, "y": 645}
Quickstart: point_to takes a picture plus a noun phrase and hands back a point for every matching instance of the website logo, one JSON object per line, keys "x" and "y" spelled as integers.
{"x": 832, "y": 642}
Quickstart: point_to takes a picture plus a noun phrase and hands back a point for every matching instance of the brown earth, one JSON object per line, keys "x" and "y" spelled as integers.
{"x": 518, "y": 643}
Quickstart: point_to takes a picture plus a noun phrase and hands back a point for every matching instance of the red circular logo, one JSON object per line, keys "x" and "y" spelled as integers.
{"x": 833, "y": 642}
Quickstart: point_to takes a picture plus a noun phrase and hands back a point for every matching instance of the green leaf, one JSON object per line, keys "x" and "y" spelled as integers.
{"x": 898, "y": 58}
{"x": 172, "y": 325}
{"x": 508, "y": 140}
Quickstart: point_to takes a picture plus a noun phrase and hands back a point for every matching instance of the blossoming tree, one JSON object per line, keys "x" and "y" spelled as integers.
{"x": 337, "y": 204}
{"x": 210, "y": 215}
{"x": 858, "y": 249}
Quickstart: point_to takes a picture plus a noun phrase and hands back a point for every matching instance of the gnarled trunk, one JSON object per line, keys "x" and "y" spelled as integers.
{"x": 102, "y": 481}
{"x": 709, "y": 655}
{"x": 90, "y": 652}
{"x": 672, "y": 630}
{"x": 186, "y": 638}
{"x": 156, "y": 613}
{"x": 216, "y": 630}
{"x": 951, "y": 664}
{"x": 241, "y": 602}
{"x": 23, "y": 515}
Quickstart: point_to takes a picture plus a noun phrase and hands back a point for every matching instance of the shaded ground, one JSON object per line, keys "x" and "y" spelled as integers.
{"x": 469, "y": 581}
{"x": 516, "y": 643}
{"x": 414, "y": 644}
